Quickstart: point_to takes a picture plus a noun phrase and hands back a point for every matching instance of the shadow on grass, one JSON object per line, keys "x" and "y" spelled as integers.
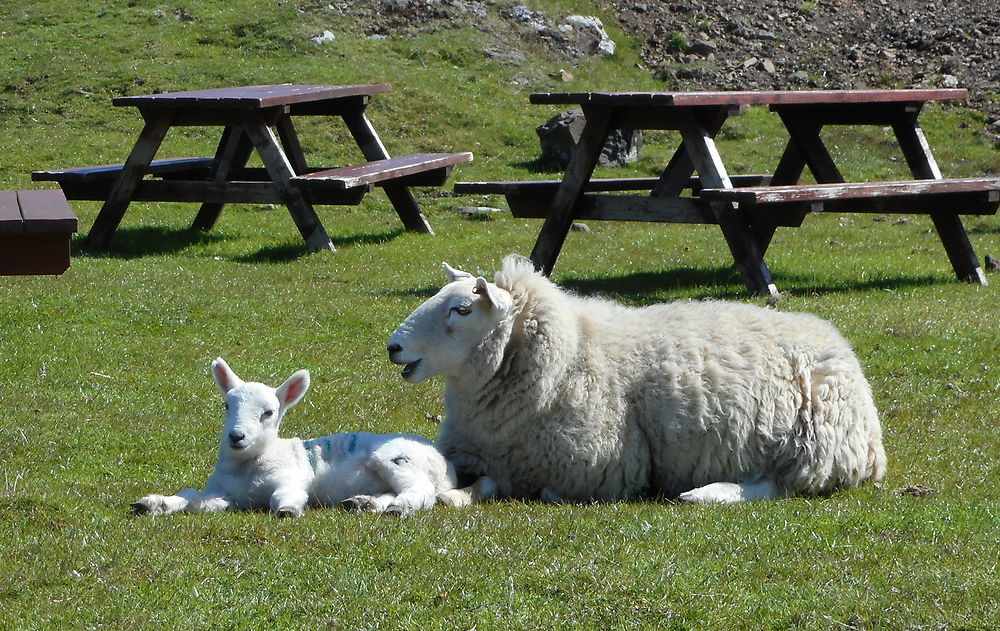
{"x": 294, "y": 251}
{"x": 720, "y": 283}
{"x": 647, "y": 287}
{"x": 130, "y": 243}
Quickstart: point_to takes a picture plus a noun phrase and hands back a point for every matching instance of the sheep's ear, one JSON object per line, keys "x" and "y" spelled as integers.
{"x": 294, "y": 388}
{"x": 225, "y": 378}
{"x": 492, "y": 293}
{"x": 454, "y": 274}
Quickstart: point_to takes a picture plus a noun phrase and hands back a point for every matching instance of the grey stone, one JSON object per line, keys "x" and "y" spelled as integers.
{"x": 558, "y": 137}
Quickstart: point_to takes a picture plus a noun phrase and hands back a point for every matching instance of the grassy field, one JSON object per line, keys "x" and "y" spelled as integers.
{"x": 107, "y": 396}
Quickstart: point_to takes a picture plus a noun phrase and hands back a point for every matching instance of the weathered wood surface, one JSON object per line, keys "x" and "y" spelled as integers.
{"x": 749, "y": 97}
{"x": 989, "y": 187}
{"x": 35, "y": 232}
{"x": 379, "y": 171}
{"x": 171, "y": 166}
{"x": 545, "y": 189}
{"x": 251, "y": 97}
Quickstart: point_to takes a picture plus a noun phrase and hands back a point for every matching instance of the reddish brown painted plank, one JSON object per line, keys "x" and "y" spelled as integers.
{"x": 377, "y": 171}
{"x": 763, "y": 97}
{"x": 30, "y": 254}
{"x": 11, "y": 221}
{"x": 251, "y": 97}
{"x": 46, "y": 211}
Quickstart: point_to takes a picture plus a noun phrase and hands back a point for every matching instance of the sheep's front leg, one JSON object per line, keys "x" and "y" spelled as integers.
{"x": 289, "y": 501}
{"x": 479, "y": 491}
{"x": 731, "y": 492}
{"x": 186, "y": 500}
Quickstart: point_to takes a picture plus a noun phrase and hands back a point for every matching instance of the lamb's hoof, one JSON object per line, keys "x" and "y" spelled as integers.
{"x": 398, "y": 510}
{"x": 289, "y": 511}
{"x": 140, "y": 508}
{"x": 360, "y": 504}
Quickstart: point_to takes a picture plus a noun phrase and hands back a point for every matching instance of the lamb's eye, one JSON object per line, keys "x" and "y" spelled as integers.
{"x": 267, "y": 414}
{"x": 462, "y": 310}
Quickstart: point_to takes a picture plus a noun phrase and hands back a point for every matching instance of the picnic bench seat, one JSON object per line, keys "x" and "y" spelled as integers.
{"x": 967, "y": 196}
{"x": 530, "y": 199}
{"x": 35, "y": 232}
{"x": 418, "y": 169}
{"x": 184, "y": 167}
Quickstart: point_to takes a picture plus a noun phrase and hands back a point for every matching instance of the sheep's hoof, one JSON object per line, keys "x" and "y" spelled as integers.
{"x": 360, "y": 504}
{"x": 289, "y": 511}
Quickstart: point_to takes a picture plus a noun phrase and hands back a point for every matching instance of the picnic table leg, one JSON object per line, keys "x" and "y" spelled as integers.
{"x": 281, "y": 172}
{"x": 581, "y": 166}
{"x": 233, "y": 152}
{"x": 949, "y": 226}
{"x": 674, "y": 179}
{"x": 735, "y": 228}
{"x": 120, "y": 195}
{"x": 399, "y": 196}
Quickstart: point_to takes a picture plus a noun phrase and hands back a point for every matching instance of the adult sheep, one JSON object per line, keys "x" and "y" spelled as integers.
{"x": 555, "y": 396}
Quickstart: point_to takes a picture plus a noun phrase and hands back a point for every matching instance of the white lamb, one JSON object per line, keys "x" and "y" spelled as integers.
{"x": 553, "y": 396}
{"x": 383, "y": 473}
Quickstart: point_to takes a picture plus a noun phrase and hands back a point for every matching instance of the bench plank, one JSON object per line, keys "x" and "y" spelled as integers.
{"x": 547, "y": 188}
{"x": 377, "y": 171}
{"x": 35, "y": 231}
{"x": 111, "y": 171}
{"x": 761, "y": 195}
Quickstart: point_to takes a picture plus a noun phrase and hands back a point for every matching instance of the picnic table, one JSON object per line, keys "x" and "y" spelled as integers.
{"x": 254, "y": 118}
{"x": 36, "y": 228}
{"x": 748, "y": 208}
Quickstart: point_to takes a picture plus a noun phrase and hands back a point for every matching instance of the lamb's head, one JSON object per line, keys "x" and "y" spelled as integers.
{"x": 254, "y": 410}
{"x": 442, "y": 334}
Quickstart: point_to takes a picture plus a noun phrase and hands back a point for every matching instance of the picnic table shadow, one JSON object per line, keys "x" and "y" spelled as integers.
{"x": 131, "y": 243}
{"x": 724, "y": 283}
{"x": 718, "y": 283}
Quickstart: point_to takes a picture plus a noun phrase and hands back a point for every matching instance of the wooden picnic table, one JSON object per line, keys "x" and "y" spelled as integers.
{"x": 739, "y": 204}
{"x": 254, "y": 118}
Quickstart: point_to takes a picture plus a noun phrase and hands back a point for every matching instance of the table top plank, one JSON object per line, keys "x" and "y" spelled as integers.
{"x": 839, "y": 190}
{"x": 251, "y": 97}
{"x": 748, "y": 97}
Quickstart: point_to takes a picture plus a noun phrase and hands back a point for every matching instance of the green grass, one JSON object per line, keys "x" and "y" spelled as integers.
{"x": 106, "y": 392}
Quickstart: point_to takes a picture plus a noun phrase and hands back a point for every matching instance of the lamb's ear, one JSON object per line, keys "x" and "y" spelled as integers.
{"x": 224, "y": 376}
{"x": 497, "y": 297}
{"x": 454, "y": 274}
{"x": 294, "y": 388}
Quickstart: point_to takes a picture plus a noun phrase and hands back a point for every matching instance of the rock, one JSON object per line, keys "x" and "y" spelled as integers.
{"x": 323, "y": 38}
{"x": 559, "y": 135}
{"x": 580, "y": 227}
{"x": 992, "y": 263}
{"x": 702, "y": 48}
{"x": 799, "y": 77}
{"x": 587, "y": 34}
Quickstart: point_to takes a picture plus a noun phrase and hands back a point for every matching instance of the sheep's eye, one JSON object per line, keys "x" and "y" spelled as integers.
{"x": 462, "y": 310}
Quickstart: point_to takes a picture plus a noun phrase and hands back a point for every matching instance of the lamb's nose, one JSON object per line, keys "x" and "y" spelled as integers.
{"x": 235, "y": 437}
{"x": 394, "y": 348}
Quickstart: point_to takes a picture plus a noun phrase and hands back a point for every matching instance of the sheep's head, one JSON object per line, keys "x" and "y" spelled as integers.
{"x": 254, "y": 410}
{"x": 441, "y": 335}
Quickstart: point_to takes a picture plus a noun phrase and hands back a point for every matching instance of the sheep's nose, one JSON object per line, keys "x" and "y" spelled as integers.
{"x": 235, "y": 437}
{"x": 394, "y": 348}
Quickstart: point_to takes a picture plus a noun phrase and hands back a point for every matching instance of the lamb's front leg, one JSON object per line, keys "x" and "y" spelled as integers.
{"x": 186, "y": 500}
{"x": 289, "y": 501}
